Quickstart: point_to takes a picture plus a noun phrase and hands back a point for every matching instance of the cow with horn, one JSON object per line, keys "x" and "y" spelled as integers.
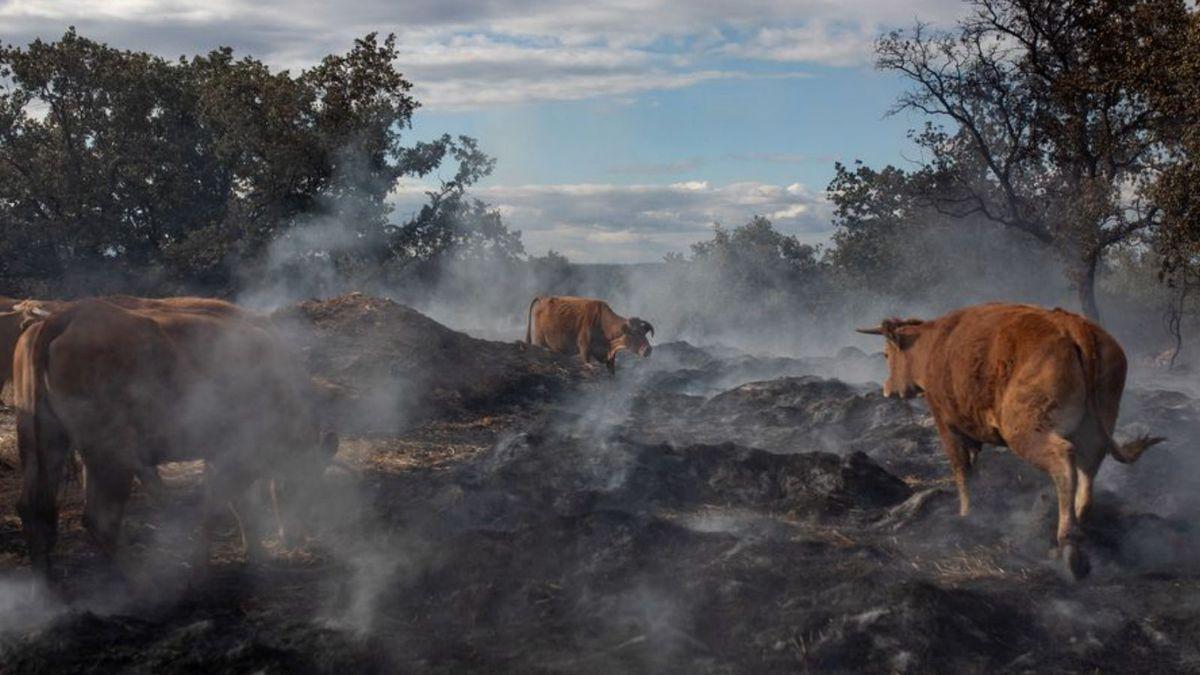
{"x": 587, "y": 327}
{"x": 1045, "y": 383}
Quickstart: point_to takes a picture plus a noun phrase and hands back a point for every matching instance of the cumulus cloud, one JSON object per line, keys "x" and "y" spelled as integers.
{"x": 818, "y": 41}
{"x": 641, "y": 223}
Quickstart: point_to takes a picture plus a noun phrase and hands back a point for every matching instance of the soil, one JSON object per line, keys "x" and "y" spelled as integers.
{"x": 508, "y": 510}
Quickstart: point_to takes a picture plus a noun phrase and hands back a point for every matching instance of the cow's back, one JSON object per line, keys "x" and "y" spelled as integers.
{"x": 107, "y": 371}
{"x": 198, "y": 383}
{"x": 979, "y": 352}
{"x": 559, "y": 320}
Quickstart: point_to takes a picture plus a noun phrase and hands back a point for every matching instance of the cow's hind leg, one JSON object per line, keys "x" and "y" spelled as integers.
{"x": 43, "y": 457}
{"x": 1084, "y": 476}
{"x": 108, "y": 487}
{"x": 1056, "y": 456}
{"x": 1090, "y": 449}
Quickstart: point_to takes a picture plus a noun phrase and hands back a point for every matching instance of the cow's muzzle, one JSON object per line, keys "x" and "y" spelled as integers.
{"x": 902, "y": 394}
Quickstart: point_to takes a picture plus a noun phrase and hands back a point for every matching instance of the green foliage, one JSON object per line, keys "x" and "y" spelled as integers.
{"x": 874, "y": 221}
{"x": 757, "y": 250}
{"x": 1172, "y": 82}
{"x": 752, "y": 271}
{"x": 189, "y": 170}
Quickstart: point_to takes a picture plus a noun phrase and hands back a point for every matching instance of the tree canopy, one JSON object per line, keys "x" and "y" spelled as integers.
{"x": 188, "y": 170}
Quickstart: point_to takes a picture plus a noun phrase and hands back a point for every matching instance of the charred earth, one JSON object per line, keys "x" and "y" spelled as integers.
{"x": 705, "y": 510}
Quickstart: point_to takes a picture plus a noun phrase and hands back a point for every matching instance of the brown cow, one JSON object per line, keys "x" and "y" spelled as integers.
{"x": 1047, "y": 384}
{"x": 16, "y": 314}
{"x": 587, "y": 327}
{"x": 131, "y": 388}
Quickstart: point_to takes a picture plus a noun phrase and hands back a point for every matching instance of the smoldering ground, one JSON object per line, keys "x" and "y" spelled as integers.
{"x": 744, "y": 499}
{"x": 704, "y": 510}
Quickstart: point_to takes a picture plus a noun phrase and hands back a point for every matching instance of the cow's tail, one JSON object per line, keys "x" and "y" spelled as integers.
{"x": 1126, "y": 453}
{"x": 41, "y": 440}
{"x": 529, "y": 322}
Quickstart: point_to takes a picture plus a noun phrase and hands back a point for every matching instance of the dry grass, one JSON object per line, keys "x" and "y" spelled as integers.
{"x": 920, "y": 483}
{"x": 396, "y": 455}
{"x": 976, "y": 564}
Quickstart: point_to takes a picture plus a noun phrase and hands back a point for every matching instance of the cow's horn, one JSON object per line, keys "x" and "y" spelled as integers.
{"x": 878, "y": 330}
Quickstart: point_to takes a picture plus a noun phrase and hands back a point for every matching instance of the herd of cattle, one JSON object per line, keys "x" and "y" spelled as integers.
{"x": 130, "y": 383}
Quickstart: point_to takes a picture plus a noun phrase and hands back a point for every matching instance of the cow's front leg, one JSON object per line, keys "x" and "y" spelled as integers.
{"x": 584, "y": 345}
{"x": 247, "y": 519}
{"x": 220, "y": 489}
{"x": 230, "y": 488}
{"x": 273, "y": 492}
{"x": 107, "y": 492}
{"x": 1055, "y": 455}
{"x": 208, "y": 515}
{"x": 961, "y": 452}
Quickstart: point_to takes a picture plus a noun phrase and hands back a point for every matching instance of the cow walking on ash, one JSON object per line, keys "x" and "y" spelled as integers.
{"x": 1045, "y": 383}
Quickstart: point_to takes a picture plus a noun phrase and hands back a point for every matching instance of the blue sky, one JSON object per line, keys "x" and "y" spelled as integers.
{"x": 723, "y": 131}
{"x": 623, "y": 128}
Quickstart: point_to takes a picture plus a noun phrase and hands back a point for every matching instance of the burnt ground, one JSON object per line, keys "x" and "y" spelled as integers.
{"x": 704, "y": 511}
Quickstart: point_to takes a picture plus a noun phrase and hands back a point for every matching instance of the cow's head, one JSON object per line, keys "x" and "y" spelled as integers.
{"x": 901, "y": 335}
{"x": 633, "y": 337}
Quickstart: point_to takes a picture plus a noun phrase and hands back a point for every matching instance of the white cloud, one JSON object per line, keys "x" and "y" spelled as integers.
{"x": 818, "y": 41}
{"x": 617, "y": 237}
{"x": 793, "y": 211}
{"x": 457, "y": 93}
{"x": 594, "y": 222}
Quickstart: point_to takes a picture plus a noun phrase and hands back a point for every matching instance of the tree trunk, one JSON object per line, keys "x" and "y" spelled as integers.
{"x": 1086, "y": 286}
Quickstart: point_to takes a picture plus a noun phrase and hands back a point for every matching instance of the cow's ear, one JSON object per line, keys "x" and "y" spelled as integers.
{"x": 888, "y": 329}
{"x": 902, "y": 333}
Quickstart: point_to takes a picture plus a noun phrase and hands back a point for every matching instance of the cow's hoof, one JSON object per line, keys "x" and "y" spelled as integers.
{"x": 1076, "y": 561}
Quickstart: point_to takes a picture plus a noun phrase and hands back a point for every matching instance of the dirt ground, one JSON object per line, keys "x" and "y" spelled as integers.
{"x": 704, "y": 511}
